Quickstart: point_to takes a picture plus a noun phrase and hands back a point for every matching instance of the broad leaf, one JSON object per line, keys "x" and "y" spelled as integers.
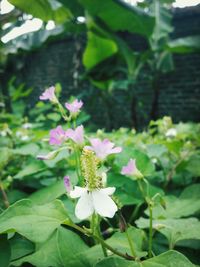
{"x": 62, "y": 249}
{"x": 185, "y": 44}
{"x": 97, "y": 50}
{"x": 34, "y": 222}
{"x": 49, "y": 193}
{"x": 128, "y": 19}
{"x": 167, "y": 259}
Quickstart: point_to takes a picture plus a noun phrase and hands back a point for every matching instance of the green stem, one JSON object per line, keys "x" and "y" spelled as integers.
{"x": 5, "y": 198}
{"x": 130, "y": 243}
{"x": 101, "y": 241}
{"x": 150, "y": 229}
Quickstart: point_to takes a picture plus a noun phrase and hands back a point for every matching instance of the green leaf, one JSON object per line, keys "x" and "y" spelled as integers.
{"x": 116, "y": 262}
{"x": 156, "y": 150}
{"x": 5, "y": 156}
{"x": 44, "y": 9}
{"x": 185, "y": 44}
{"x": 162, "y": 26}
{"x": 120, "y": 16}
{"x": 63, "y": 249}
{"x": 30, "y": 169}
{"x": 165, "y": 62}
{"x": 48, "y": 194}
{"x": 187, "y": 204}
{"x": 143, "y": 162}
{"x": 97, "y": 50}
{"x": 174, "y": 229}
{"x": 20, "y": 247}
{"x": 5, "y": 251}
{"x": 119, "y": 241}
{"x": 167, "y": 259}
{"x": 34, "y": 222}
{"x": 28, "y": 149}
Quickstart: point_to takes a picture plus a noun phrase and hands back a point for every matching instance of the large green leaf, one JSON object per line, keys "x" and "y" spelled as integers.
{"x": 185, "y": 44}
{"x": 49, "y": 193}
{"x": 44, "y": 9}
{"x": 63, "y": 249}
{"x": 167, "y": 259}
{"x": 97, "y": 50}
{"x": 119, "y": 16}
{"x": 34, "y": 222}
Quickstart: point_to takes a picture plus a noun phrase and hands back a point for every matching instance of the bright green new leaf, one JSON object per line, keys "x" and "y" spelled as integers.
{"x": 97, "y": 50}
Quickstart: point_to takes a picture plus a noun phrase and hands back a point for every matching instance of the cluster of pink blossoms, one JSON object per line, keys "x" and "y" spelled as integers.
{"x": 97, "y": 200}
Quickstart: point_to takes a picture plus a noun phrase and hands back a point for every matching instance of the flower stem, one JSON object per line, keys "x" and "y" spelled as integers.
{"x": 101, "y": 241}
{"x": 5, "y": 198}
{"x": 149, "y": 202}
{"x": 150, "y": 229}
{"x": 130, "y": 243}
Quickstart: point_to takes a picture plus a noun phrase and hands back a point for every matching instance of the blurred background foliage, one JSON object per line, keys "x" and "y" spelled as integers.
{"x": 109, "y": 61}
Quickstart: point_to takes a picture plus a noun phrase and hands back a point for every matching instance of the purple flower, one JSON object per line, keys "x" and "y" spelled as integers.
{"x": 103, "y": 148}
{"x": 49, "y": 94}
{"x": 131, "y": 170}
{"x": 76, "y": 135}
{"x": 57, "y": 136}
{"x": 74, "y": 107}
{"x": 67, "y": 183}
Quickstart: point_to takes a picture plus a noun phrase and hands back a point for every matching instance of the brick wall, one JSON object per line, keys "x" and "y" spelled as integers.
{"x": 180, "y": 90}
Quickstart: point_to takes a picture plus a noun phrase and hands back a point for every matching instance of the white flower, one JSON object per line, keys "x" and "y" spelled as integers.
{"x": 98, "y": 201}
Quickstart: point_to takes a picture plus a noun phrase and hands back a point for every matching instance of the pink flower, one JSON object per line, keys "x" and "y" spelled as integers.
{"x": 57, "y": 136}
{"x": 131, "y": 170}
{"x": 76, "y": 135}
{"x": 74, "y": 107}
{"x": 49, "y": 94}
{"x": 103, "y": 148}
{"x": 67, "y": 183}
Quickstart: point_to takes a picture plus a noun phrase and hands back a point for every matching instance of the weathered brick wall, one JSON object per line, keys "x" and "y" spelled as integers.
{"x": 180, "y": 90}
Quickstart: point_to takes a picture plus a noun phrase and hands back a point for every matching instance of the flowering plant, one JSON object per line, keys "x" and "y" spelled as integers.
{"x": 96, "y": 215}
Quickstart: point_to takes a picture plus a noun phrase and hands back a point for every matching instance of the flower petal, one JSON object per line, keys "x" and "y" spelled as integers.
{"x": 77, "y": 192}
{"x": 108, "y": 191}
{"x": 84, "y": 207}
{"x": 103, "y": 204}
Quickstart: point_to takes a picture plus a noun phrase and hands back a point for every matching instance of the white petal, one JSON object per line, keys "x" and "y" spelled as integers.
{"x": 84, "y": 207}
{"x": 108, "y": 191}
{"x": 77, "y": 192}
{"x": 103, "y": 204}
